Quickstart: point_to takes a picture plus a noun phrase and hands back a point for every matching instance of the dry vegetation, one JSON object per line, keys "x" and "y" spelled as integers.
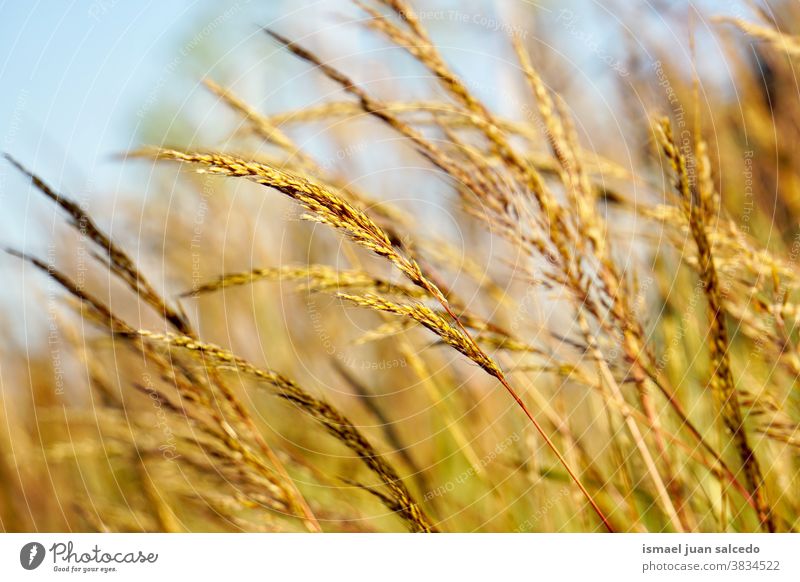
{"x": 601, "y": 346}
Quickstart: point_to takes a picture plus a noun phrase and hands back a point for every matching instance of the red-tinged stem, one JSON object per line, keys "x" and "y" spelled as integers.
{"x": 502, "y": 379}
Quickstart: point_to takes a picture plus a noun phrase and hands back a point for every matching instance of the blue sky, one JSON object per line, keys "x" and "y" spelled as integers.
{"x": 72, "y": 73}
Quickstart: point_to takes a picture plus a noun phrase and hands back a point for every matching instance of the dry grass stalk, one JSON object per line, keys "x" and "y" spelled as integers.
{"x": 118, "y": 260}
{"x": 333, "y": 421}
{"x": 278, "y": 481}
{"x": 561, "y": 136}
{"x": 315, "y": 278}
{"x": 328, "y": 208}
{"x": 782, "y": 42}
{"x": 722, "y": 382}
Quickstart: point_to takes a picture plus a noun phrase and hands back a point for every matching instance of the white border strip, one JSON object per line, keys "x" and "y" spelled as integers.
{"x": 402, "y": 557}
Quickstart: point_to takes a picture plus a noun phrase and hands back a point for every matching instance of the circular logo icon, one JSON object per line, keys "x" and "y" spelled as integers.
{"x": 31, "y": 555}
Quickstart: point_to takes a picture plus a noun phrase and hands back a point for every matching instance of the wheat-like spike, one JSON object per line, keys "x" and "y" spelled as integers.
{"x": 383, "y": 331}
{"x": 330, "y": 418}
{"x": 406, "y": 13}
{"x": 585, "y": 197}
{"x": 459, "y": 338}
{"x": 263, "y": 126}
{"x": 468, "y": 181}
{"x": 562, "y": 138}
{"x": 102, "y": 314}
{"x": 722, "y": 381}
{"x": 387, "y": 427}
{"x": 315, "y": 278}
{"x": 503, "y": 342}
{"x": 268, "y": 129}
{"x": 418, "y": 43}
{"x": 429, "y": 318}
{"x": 427, "y": 54}
{"x": 782, "y": 42}
{"x": 439, "y": 112}
{"x": 118, "y": 260}
{"x": 323, "y": 205}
